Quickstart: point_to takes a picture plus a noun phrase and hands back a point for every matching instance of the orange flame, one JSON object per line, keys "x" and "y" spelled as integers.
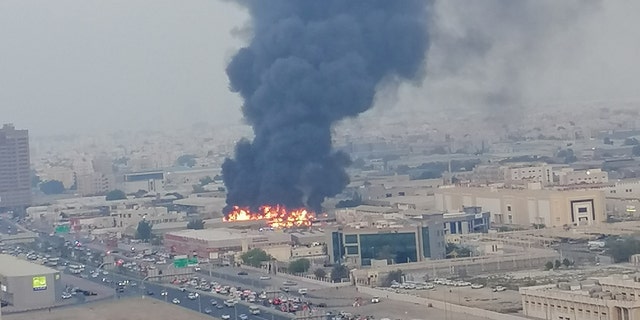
{"x": 276, "y": 216}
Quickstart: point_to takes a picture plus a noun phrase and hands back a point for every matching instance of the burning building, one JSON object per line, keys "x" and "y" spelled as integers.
{"x": 275, "y": 216}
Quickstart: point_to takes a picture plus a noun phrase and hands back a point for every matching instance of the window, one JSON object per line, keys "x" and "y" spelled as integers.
{"x": 352, "y": 250}
{"x": 582, "y": 210}
{"x": 509, "y": 208}
{"x": 351, "y": 238}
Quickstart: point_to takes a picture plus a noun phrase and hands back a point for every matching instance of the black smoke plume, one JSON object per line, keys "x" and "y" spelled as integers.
{"x": 308, "y": 65}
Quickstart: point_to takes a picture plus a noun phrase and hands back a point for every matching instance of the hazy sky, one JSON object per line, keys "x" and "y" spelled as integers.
{"x": 82, "y": 65}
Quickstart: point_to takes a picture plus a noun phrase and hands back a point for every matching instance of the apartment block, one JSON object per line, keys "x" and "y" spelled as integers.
{"x": 15, "y": 173}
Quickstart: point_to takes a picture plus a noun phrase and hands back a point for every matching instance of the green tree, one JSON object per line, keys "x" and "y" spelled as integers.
{"x": 393, "y": 276}
{"x": 186, "y": 160}
{"x": 255, "y": 257}
{"x": 631, "y": 142}
{"x": 620, "y": 249}
{"x": 52, "y": 187}
{"x": 548, "y": 265}
{"x": 196, "y": 224}
{"x": 339, "y": 272}
{"x": 299, "y": 266}
{"x": 320, "y": 273}
{"x": 557, "y": 264}
{"x": 198, "y": 188}
{"x": 143, "y": 232}
{"x": 116, "y": 195}
{"x": 35, "y": 180}
{"x": 566, "y": 262}
{"x": 205, "y": 181}
{"x": 455, "y": 251}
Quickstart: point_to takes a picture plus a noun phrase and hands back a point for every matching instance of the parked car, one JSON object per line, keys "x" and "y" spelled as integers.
{"x": 175, "y": 301}
{"x": 225, "y": 317}
{"x": 375, "y": 300}
{"x": 265, "y": 277}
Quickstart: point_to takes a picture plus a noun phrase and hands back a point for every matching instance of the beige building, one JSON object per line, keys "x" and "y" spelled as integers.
{"x": 213, "y": 243}
{"x": 540, "y": 172}
{"x": 94, "y": 184}
{"x": 568, "y": 176}
{"x": 611, "y": 298}
{"x": 62, "y": 174}
{"x": 550, "y": 207}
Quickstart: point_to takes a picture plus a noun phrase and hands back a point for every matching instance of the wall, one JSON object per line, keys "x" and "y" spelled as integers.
{"x": 24, "y": 297}
{"x": 439, "y": 304}
{"x": 525, "y": 207}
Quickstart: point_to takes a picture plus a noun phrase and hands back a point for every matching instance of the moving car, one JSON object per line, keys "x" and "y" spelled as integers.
{"x": 243, "y": 317}
{"x": 254, "y": 310}
{"x": 207, "y": 310}
{"x": 375, "y": 300}
{"x": 225, "y": 317}
{"x": 175, "y": 301}
{"x": 243, "y": 273}
{"x": 66, "y": 295}
{"x": 265, "y": 277}
{"x": 499, "y": 289}
{"x": 477, "y": 286}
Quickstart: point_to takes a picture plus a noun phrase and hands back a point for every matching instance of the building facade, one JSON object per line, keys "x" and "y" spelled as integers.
{"x": 213, "y": 243}
{"x": 387, "y": 245}
{"x": 15, "y": 168}
{"x": 95, "y": 184}
{"x": 470, "y": 220}
{"x": 27, "y": 285}
{"x": 611, "y": 298}
{"x": 525, "y": 207}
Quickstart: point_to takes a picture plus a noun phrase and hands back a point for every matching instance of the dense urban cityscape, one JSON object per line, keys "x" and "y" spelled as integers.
{"x": 327, "y": 202}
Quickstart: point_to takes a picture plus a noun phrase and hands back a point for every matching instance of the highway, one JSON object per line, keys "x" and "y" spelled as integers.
{"x": 154, "y": 290}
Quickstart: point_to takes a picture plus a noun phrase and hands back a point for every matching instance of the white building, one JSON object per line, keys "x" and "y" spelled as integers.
{"x": 569, "y": 176}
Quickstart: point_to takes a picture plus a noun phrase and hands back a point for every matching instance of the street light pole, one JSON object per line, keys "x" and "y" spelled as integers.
{"x": 199, "y": 303}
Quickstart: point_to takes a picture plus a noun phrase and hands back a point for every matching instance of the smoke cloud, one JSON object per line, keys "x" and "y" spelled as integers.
{"x": 310, "y": 64}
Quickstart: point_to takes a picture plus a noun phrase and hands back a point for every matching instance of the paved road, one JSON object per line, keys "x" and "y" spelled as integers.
{"x": 153, "y": 290}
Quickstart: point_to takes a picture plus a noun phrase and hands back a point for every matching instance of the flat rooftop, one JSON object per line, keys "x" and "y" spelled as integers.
{"x": 11, "y": 266}
{"x": 225, "y": 234}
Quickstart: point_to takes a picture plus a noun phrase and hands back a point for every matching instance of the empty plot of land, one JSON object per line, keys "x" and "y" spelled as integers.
{"x": 127, "y": 309}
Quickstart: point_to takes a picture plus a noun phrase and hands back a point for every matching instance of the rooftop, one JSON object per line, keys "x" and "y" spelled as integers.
{"x": 222, "y": 234}
{"x": 11, "y": 266}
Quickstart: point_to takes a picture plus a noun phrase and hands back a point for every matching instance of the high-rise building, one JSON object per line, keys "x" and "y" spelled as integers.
{"x": 15, "y": 173}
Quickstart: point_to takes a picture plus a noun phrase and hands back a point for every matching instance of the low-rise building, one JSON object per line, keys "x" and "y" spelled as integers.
{"x": 569, "y": 176}
{"x": 387, "y": 241}
{"x": 611, "y": 298}
{"x": 550, "y": 207}
{"x": 27, "y": 285}
{"x": 212, "y": 243}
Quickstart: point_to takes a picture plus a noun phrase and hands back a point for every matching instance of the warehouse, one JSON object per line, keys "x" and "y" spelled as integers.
{"x": 27, "y": 285}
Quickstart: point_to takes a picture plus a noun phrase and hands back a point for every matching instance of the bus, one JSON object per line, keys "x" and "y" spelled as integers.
{"x": 52, "y": 261}
{"x": 254, "y": 310}
{"x": 76, "y": 269}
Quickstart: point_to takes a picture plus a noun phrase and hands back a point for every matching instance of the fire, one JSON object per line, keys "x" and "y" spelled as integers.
{"x": 276, "y": 216}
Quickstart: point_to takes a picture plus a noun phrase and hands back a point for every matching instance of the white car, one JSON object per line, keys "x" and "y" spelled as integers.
{"x": 164, "y": 293}
{"x": 265, "y": 277}
{"x": 225, "y": 317}
{"x": 175, "y": 301}
{"x": 375, "y": 300}
{"x": 499, "y": 289}
{"x": 66, "y": 295}
{"x": 477, "y": 286}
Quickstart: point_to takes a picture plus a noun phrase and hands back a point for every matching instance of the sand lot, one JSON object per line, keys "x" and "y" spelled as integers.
{"x": 126, "y": 309}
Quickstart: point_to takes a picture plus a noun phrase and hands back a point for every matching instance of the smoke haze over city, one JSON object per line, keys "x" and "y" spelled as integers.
{"x": 84, "y": 66}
